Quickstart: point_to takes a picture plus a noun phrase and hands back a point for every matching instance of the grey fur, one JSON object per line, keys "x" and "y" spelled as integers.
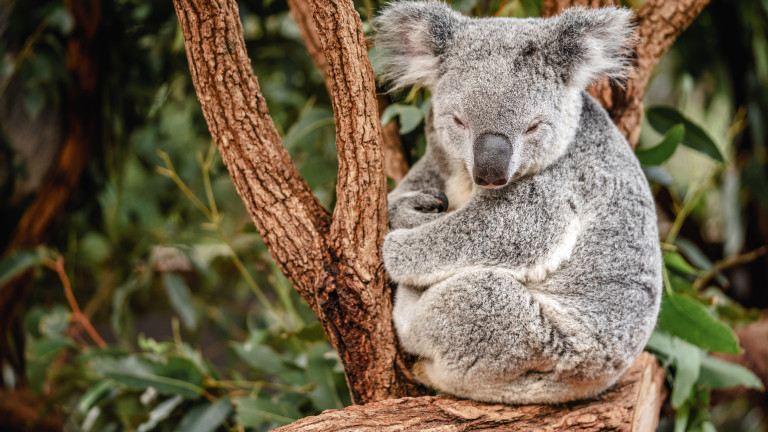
{"x": 547, "y": 288}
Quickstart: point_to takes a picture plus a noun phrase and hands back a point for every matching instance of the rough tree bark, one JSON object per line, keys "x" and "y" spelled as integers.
{"x": 632, "y": 404}
{"x": 334, "y": 261}
{"x": 395, "y": 163}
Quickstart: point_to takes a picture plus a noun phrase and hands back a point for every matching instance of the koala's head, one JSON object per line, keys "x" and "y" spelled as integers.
{"x": 506, "y": 92}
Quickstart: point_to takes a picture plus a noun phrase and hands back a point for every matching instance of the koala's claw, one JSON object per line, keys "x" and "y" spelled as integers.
{"x": 415, "y": 208}
{"x": 439, "y": 207}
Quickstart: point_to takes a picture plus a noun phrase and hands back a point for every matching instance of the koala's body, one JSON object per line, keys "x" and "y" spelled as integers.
{"x": 541, "y": 282}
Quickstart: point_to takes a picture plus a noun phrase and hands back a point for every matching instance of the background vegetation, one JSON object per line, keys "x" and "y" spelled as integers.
{"x": 194, "y": 326}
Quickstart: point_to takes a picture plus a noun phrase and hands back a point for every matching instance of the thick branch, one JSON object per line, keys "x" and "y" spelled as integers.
{"x": 395, "y": 164}
{"x": 334, "y": 264}
{"x": 280, "y": 203}
{"x": 359, "y": 315}
{"x": 659, "y": 23}
{"x": 631, "y": 405}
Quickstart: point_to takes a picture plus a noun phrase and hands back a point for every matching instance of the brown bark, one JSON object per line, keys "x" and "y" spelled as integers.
{"x": 658, "y": 23}
{"x": 335, "y": 263}
{"x": 82, "y": 108}
{"x": 632, "y": 404}
{"x": 395, "y": 163}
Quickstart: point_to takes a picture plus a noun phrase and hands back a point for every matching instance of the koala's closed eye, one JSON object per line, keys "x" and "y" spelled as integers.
{"x": 460, "y": 124}
{"x": 535, "y": 126}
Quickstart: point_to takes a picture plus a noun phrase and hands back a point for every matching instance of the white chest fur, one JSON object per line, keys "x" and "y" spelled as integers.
{"x": 458, "y": 189}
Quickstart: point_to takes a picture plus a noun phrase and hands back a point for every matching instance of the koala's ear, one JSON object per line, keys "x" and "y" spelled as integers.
{"x": 411, "y": 37}
{"x": 594, "y": 42}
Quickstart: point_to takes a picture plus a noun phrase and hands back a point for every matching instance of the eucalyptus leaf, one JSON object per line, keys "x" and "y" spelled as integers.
{"x": 206, "y": 417}
{"x": 410, "y": 116}
{"x": 160, "y": 413}
{"x": 687, "y": 366}
{"x": 662, "y": 151}
{"x": 688, "y": 319}
{"x": 20, "y": 261}
{"x": 252, "y": 412}
{"x": 675, "y": 262}
{"x": 320, "y": 372}
{"x": 94, "y": 395}
{"x": 261, "y": 357}
{"x": 664, "y": 118}
{"x": 181, "y": 299}
{"x": 717, "y": 373}
{"x": 178, "y": 376}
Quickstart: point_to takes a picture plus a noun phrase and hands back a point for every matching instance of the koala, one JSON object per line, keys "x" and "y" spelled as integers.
{"x": 524, "y": 242}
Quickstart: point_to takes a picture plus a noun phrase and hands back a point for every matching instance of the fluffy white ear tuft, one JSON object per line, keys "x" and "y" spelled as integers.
{"x": 595, "y": 43}
{"x": 411, "y": 37}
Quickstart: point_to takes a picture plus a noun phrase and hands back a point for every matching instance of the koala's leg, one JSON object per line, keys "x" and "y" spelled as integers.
{"x": 482, "y": 335}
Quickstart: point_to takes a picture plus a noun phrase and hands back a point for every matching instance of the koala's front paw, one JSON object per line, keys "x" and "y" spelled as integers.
{"x": 415, "y": 208}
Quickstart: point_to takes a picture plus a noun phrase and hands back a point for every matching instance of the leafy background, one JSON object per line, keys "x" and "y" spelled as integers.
{"x": 195, "y": 329}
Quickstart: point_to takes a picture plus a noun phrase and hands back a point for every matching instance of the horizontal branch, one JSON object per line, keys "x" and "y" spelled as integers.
{"x": 632, "y": 404}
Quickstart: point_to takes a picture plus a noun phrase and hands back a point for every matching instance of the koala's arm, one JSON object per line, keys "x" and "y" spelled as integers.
{"x": 527, "y": 234}
{"x": 420, "y": 196}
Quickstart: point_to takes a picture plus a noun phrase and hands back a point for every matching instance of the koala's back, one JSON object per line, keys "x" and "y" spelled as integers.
{"x": 612, "y": 280}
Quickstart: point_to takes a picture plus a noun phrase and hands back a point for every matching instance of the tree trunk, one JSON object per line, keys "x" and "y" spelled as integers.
{"x": 333, "y": 261}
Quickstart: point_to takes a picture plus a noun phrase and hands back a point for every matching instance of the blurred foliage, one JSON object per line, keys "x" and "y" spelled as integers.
{"x": 157, "y": 230}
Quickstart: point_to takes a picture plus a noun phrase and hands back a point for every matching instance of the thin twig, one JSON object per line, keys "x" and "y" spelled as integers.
{"x": 77, "y": 314}
{"x": 728, "y": 263}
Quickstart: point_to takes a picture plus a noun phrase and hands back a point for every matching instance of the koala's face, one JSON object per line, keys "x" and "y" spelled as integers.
{"x": 501, "y": 116}
{"x": 505, "y": 92}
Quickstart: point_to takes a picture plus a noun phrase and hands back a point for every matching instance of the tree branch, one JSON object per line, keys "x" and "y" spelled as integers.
{"x": 280, "y": 203}
{"x": 659, "y": 23}
{"x": 631, "y": 405}
{"x": 395, "y": 164}
{"x": 362, "y": 316}
{"x": 334, "y": 263}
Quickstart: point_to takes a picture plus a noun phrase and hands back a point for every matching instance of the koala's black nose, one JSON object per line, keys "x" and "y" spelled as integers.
{"x": 492, "y": 155}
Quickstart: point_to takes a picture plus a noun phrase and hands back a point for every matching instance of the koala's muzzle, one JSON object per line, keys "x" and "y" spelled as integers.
{"x": 492, "y": 155}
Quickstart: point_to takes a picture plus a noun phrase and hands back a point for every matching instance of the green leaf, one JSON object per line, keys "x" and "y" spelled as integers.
{"x": 48, "y": 347}
{"x": 687, "y": 366}
{"x": 206, "y": 417}
{"x": 717, "y": 373}
{"x": 686, "y": 318}
{"x": 160, "y": 413}
{"x": 659, "y": 153}
{"x": 409, "y": 115}
{"x": 21, "y": 261}
{"x": 178, "y": 376}
{"x": 94, "y": 395}
{"x": 181, "y": 299}
{"x": 320, "y": 372}
{"x": 252, "y": 412}
{"x": 664, "y": 118}
{"x": 259, "y": 356}
{"x": 697, "y": 258}
{"x": 675, "y": 262}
